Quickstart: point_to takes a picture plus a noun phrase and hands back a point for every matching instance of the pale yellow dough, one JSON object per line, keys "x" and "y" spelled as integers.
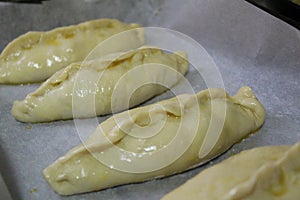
{"x": 96, "y": 80}
{"x": 79, "y": 171}
{"x": 271, "y": 172}
{"x": 35, "y": 56}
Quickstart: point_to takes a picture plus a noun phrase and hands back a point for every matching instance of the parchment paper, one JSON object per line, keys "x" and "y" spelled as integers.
{"x": 249, "y": 46}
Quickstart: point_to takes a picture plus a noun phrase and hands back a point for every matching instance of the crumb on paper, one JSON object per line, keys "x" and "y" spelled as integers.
{"x": 33, "y": 190}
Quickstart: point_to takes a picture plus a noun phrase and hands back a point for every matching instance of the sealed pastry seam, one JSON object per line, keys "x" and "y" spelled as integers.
{"x": 262, "y": 179}
{"x": 35, "y": 56}
{"x": 98, "y": 79}
{"x": 28, "y": 40}
{"x": 86, "y": 167}
{"x": 270, "y": 172}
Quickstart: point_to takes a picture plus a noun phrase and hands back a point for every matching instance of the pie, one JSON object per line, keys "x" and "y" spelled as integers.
{"x": 101, "y": 86}
{"x": 157, "y": 140}
{"x": 35, "y": 56}
{"x": 270, "y": 172}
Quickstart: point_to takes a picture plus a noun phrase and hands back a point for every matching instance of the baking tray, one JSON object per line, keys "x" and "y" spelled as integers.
{"x": 249, "y": 47}
{"x": 286, "y": 10}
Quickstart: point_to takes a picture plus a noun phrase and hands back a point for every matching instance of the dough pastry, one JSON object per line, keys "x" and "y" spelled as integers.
{"x": 35, "y": 56}
{"x": 270, "y": 172}
{"x": 96, "y": 80}
{"x": 173, "y": 148}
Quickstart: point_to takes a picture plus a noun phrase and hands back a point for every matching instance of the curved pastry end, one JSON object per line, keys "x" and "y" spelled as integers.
{"x": 20, "y": 111}
{"x": 247, "y": 100}
{"x": 58, "y": 179}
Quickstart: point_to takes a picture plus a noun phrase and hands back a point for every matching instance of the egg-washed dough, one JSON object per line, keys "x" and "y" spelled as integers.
{"x": 79, "y": 171}
{"x": 271, "y": 172}
{"x": 95, "y": 82}
{"x": 35, "y": 56}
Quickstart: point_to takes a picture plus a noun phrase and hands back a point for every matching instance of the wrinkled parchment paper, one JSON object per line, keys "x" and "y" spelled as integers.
{"x": 249, "y": 47}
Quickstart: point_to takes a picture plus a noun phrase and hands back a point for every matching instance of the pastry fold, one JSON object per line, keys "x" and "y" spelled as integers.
{"x": 100, "y": 86}
{"x": 270, "y": 172}
{"x": 157, "y": 140}
{"x": 35, "y": 56}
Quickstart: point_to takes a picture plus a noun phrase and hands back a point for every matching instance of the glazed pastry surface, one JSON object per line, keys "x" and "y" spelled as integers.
{"x": 86, "y": 89}
{"x": 35, "y": 56}
{"x": 156, "y": 140}
{"x": 270, "y": 172}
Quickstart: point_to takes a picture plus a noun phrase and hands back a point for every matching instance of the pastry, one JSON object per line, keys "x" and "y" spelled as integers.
{"x": 78, "y": 86}
{"x": 270, "y": 172}
{"x": 35, "y": 56}
{"x": 157, "y": 140}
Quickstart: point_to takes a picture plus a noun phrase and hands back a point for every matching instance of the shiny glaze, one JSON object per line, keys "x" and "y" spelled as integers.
{"x": 35, "y": 56}
{"x": 127, "y": 149}
{"x": 270, "y": 172}
{"x": 74, "y": 89}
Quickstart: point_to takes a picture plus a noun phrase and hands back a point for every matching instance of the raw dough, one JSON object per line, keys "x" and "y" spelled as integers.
{"x": 96, "y": 80}
{"x": 35, "y": 56}
{"x": 147, "y": 151}
{"x": 271, "y": 172}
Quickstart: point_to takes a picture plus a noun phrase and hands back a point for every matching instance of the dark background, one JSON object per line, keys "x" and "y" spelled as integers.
{"x": 283, "y": 9}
